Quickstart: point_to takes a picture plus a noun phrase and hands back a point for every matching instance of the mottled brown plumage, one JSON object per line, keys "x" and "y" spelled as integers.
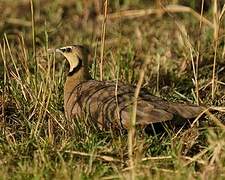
{"x": 108, "y": 107}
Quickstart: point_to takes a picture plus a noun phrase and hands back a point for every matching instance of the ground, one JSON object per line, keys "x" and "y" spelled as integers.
{"x": 186, "y": 64}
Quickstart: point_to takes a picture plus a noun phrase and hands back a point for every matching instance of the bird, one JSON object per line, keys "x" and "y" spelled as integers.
{"x": 109, "y": 104}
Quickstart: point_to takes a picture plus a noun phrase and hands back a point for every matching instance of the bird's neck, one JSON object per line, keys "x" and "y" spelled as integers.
{"x": 73, "y": 79}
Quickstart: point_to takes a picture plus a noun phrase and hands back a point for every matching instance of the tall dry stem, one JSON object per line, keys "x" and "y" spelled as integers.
{"x": 34, "y": 42}
{"x": 215, "y": 36}
{"x": 198, "y": 54}
{"x": 103, "y": 39}
{"x": 132, "y": 129}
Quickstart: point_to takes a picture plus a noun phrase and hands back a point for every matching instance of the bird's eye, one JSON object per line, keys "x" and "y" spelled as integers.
{"x": 68, "y": 50}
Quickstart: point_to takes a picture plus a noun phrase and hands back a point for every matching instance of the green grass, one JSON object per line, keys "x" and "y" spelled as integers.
{"x": 36, "y": 140}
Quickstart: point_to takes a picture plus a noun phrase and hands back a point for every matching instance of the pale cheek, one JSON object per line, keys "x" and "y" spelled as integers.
{"x": 73, "y": 63}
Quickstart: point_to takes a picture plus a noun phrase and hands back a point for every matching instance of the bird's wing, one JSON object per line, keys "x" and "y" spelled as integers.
{"x": 111, "y": 104}
{"x": 149, "y": 112}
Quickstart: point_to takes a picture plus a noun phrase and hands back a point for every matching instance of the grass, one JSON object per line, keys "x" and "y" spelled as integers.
{"x": 36, "y": 140}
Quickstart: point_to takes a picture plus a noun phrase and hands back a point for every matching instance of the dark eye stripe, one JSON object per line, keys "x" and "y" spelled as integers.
{"x": 66, "y": 50}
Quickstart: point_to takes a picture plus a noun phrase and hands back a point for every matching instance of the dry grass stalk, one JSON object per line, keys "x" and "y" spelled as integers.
{"x": 158, "y": 74}
{"x": 199, "y": 116}
{"x": 191, "y": 49}
{"x": 11, "y": 56}
{"x": 216, "y": 120}
{"x": 195, "y": 72}
{"x": 215, "y": 35}
{"x": 34, "y": 41}
{"x": 198, "y": 54}
{"x": 100, "y": 157}
{"x": 2, "y": 103}
{"x": 167, "y": 9}
{"x": 197, "y": 156}
{"x": 103, "y": 38}
{"x": 156, "y": 158}
{"x": 24, "y": 60}
{"x": 132, "y": 129}
{"x": 222, "y": 13}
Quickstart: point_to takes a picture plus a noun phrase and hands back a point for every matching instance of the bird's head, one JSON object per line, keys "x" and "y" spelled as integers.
{"x": 76, "y": 55}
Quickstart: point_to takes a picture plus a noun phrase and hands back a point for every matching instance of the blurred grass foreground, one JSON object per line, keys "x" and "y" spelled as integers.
{"x": 185, "y": 42}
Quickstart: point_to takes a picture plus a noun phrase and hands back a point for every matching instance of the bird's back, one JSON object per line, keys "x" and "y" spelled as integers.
{"x": 110, "y": 105}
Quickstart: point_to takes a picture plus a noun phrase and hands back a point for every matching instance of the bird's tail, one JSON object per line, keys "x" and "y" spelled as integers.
{"x": 186, "y": 111}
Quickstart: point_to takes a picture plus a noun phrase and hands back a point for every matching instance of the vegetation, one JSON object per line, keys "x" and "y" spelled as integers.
{"x": 186, "y": 55}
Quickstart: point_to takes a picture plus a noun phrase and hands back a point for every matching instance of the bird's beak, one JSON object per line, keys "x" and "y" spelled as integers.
{"x": 50, "y": 51}
{"x": 58, "y": 51}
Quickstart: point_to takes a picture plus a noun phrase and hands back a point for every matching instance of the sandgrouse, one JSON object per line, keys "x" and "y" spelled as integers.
{"x": 110, "y": 106}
